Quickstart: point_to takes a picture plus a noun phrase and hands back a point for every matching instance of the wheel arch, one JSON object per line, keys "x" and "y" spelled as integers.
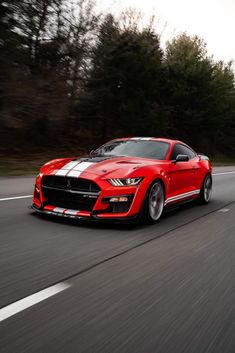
{"x": 208, "y": 172}
{"x": 156, "y": 178}
{"x": 143, "y": 214}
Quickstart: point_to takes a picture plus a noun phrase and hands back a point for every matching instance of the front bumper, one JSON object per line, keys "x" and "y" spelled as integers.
{"x": 85, "y": 216}
{"x": 101, "y": 210}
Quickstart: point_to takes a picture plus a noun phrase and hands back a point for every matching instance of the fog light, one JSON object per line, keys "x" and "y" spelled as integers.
{"x": 119, "y": 199}
{"x": 37, "y": 189}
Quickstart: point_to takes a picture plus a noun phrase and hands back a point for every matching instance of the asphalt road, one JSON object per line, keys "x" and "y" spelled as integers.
{"x": 164, "y": 288}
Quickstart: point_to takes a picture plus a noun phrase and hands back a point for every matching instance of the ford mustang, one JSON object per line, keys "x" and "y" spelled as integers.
{"x": 125, "y": 179}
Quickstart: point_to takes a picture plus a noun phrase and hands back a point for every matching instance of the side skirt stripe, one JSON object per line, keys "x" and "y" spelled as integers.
{"x": 182, "y": 196}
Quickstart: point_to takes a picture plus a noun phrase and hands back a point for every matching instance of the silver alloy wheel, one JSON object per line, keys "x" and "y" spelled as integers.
{"x": 207, "y": 188}
{"x": 156, "y": 201}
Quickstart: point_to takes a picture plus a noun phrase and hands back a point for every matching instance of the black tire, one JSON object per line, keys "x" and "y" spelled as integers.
{"x": 206, "y": 190}
{"x": 153, "y": 209}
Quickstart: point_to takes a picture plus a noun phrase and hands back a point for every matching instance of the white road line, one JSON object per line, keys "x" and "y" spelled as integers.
{"x": 224, "y": 210}
{"x": 223, "y": 173}
{"x": 16, "y": 197}
{"x": 31, "y": 300}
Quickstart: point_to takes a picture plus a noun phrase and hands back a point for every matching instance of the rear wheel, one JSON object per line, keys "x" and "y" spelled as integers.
{"x": 206, "y": 190}
{"x": 154, "y": 203}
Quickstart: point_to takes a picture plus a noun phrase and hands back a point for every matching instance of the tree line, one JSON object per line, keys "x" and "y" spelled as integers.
{"x": 72, "y": 76}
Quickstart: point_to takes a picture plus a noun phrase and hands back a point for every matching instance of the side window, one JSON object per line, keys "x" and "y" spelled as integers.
{"x": 181, "y": 149}
{"x": 176, "y": 150}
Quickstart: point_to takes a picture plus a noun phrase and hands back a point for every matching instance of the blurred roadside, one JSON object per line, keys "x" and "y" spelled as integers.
{"x": 72, "y": 78}
{"x": 30, "y": 163}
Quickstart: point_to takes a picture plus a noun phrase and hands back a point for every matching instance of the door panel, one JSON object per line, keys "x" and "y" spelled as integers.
{"x": 182, "y": 175}
{"x": 181, "y": 178}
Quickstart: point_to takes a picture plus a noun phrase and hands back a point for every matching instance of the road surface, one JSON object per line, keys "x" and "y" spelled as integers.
{"x": 73, "y": 287}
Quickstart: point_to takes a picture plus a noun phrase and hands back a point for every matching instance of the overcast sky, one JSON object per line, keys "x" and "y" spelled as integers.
{"x": 213, "y": 20}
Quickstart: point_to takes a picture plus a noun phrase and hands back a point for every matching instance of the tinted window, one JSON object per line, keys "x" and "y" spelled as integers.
{"x": 181, "y": 149}
{"x": 135, "y": 148}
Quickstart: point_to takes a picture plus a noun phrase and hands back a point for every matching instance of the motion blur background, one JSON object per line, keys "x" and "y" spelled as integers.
{"x": 73, "y": 75}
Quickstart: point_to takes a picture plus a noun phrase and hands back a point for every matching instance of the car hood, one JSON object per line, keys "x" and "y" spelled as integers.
{"x": 100, "y": 166}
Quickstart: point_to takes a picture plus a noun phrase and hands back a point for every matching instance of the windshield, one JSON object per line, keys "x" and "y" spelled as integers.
{"x": 135, "y": 148}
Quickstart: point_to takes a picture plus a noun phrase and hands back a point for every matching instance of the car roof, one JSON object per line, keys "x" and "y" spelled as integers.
{"x": 162, "y": 139}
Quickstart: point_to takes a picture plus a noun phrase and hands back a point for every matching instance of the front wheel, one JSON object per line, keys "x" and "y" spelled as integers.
{"x": 154, "y": 203}
{"x": 206, "y": 190}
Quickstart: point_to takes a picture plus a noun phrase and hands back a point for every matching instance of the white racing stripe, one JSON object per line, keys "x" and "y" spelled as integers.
{"x": 73, "y": 169}
{"x": 31, "y": 300}
{"x": 74, "y": 173}
{"x": 59, "y": 210}
{"x": 71, "y": 212}
{"x": 142, "y": 138}
{"x": 79, "y": 168}
{"x": 62, "y": 172}
{"x": 70, "y": 165}
{"x": 16, "y": 198}
{"x": 83, "y": 166}
{"x": 66, "y": 168}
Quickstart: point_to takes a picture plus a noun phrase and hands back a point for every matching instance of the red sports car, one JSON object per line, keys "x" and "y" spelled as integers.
{"x": 125, "y": 179}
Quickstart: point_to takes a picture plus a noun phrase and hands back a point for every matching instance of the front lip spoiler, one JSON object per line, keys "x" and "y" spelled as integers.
{"x": 52, "y": 213}
{"x": 93, "y": 217}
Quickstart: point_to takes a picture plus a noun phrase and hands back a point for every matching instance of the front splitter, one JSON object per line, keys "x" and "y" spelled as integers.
{"x": 92, "y": 217}
{"x": 59, "y": 214}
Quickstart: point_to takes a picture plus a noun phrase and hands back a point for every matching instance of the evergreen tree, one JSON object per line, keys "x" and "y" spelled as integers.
{"x": 124, "y": 89}
{"x": 200, "y": 91}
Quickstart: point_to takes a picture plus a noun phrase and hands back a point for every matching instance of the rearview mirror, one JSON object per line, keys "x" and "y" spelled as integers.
{"x": 182, "y": 158}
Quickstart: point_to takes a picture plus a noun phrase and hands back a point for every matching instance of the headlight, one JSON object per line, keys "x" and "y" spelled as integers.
{"x": 125, "y": 182}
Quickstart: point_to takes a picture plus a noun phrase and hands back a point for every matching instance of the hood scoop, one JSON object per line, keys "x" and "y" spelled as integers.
{"x": 95, "y": 159}
{"x": 128, "y": 162}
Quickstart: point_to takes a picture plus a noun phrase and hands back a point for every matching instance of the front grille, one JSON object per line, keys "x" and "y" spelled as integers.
{"x": 64, "y": 199}
{"x": 70, "y": 193}
{"x": 75, "y": 184}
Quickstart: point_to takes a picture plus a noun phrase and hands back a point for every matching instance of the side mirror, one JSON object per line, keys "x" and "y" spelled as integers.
{"x": 181, "y": 158}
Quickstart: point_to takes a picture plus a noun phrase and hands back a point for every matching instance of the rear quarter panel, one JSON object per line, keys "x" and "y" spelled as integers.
{"x": 205, "y": 168}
